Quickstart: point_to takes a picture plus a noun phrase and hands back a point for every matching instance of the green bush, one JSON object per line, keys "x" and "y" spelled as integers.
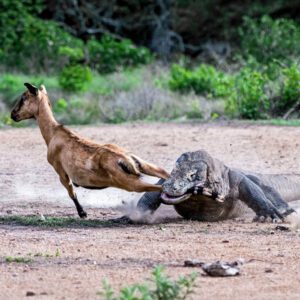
{"x": 203, "y": 80}
{"x": 291, "y": 88}
{"x": 164, "y": 288}
{"x": 249, "y": 99}
{"x": 109, "y": 54}
{"x": 75, "y": 78}
{"x": 267, "y": 40}
{"x": 73, "y": 54}
{"x": 28, "y": 43}
{"x": 10, "y": 88}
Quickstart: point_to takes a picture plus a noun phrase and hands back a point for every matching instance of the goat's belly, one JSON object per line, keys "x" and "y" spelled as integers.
{"x": 83, "y": 173}
{"x": 87, "y": 179}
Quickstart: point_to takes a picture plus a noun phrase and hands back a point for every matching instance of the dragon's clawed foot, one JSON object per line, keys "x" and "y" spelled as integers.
{"x": 267, "y": 219}
{"x": 273, "y": 215}
{"x": 269, "y": 214}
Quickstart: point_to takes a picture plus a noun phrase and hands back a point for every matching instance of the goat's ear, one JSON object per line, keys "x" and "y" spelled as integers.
{"x": 31, "y": 88}
{"x": 42, "y": 88}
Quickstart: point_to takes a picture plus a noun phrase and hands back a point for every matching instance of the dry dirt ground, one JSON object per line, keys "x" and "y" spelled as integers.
{"x": 126, "y": 254}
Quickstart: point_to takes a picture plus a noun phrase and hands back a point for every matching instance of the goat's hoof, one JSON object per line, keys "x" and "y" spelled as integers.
{"x": 82, "y": 214}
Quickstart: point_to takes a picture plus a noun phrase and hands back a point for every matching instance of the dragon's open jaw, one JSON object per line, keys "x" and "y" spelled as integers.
{"x": 168, "y": 199}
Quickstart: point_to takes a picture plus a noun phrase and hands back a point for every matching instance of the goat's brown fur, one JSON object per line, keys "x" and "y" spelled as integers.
{"x": 80, "y": 161}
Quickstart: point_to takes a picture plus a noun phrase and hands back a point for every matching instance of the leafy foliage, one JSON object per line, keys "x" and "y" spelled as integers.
{"x": 28, "y": 43}
{"x": 267, "y": 40}
{"x": 203, "y": 80}
{"x": 109, "y": 54}
{"x": 75, "y": 78}
{"x": 164, "y": 288}
{"x": 249, "y": 95}
{"x": 291, "y": 87}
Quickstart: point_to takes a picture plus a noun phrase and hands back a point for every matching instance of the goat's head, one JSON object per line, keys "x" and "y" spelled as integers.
{"x": 28, "y": 105}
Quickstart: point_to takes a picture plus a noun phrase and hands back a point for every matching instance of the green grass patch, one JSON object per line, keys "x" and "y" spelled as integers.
{"x": 54, "y": 222}
{"x": 46, "y": 255}
{"x": 279, "y": 122}
{"x": 18, "y": 259}
{"x": 12, "y": 84}
{"x": 124, "y": 80}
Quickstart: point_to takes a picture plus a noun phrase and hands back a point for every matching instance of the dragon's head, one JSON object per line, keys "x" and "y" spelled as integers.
{"x": 189, "y": 172}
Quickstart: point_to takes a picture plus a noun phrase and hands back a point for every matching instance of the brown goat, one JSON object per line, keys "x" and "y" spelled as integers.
{"x": 79, "y": 161}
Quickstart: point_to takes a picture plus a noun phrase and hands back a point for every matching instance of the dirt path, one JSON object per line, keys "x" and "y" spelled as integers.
{"x": 127, "y": 254}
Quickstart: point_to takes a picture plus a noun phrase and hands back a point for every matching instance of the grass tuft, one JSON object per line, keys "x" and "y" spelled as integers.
{"x": 53, "y": 222}
{"x": 18, "y": 259}
{"x": 160, "y": 287}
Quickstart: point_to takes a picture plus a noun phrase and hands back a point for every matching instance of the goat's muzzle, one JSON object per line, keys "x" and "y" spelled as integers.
{"x": 15, "y": 116}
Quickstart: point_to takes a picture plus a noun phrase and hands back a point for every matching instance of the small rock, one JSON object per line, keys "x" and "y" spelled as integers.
{"x": 268, "y": 270}
{"x": 30, "y": 293}
{"x": 42, "y": 217}
{"x": 193, "y": 263}
{"x": 282, "y": 228}
{"x": 161, "y": 144}
{"x": 221, "y": 269}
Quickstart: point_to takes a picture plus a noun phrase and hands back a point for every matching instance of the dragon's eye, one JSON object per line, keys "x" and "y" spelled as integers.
{"x": 191, "y": 176}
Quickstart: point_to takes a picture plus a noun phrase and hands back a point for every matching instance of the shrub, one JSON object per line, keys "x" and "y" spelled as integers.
{"x": 291, "y": 88}
{"x": 267, "y": 39}
{"x": 108, "y": 54}
{"x": 203, "y": 80}
{"x": 77, "y": 111}
{"x": 10, "y": 88}
{"x": 74, "y": 54}
{"x": 75, "y": 78}
{"x": 164, "y": 288}
{"x": 249, "y": 98}
{"x": 28, "y": 43}
{"x": 194, "y": 111}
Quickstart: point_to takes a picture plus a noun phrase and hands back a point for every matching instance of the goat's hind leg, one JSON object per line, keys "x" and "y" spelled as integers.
{"x": 150, "y": 169}
{"x": 66, "y": 182}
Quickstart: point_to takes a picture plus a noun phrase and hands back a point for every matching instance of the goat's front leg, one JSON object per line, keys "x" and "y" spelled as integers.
{"x": 65, "y": 180}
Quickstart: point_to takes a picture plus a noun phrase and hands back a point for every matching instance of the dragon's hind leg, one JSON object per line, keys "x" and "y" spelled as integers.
{"x": 273, "y": 196}
{"x": 254, "y": 197}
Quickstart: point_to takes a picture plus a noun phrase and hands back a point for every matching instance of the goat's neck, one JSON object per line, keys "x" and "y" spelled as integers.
{"x": 46, "y": 121}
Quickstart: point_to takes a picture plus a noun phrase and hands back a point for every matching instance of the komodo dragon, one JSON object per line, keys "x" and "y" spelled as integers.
{"x": 203, "y": 188}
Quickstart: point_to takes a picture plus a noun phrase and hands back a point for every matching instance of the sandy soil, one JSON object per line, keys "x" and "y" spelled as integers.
{"x": 127, "y": 253}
